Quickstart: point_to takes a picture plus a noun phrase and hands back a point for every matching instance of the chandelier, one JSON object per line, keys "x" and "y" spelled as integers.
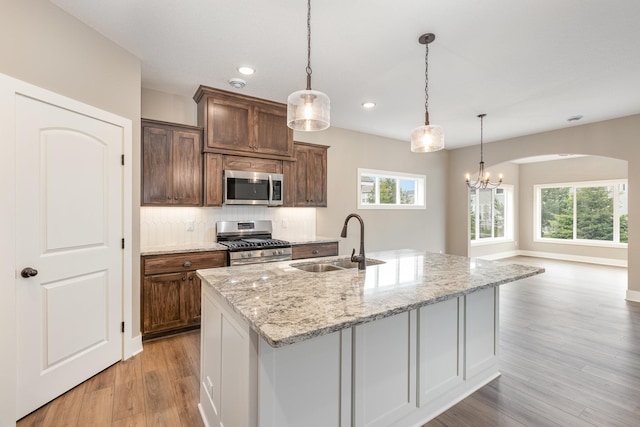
{"x": 426, "y": 138}
{"x": 308, "y": 110}
{"x": 482, "y": 181}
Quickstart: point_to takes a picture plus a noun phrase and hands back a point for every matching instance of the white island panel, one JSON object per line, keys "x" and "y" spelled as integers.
{"x": 300, "y": 385}
{"x": 440, "y": 349}
{"x": 384, "y": 370}
{"x": 481, "y": 332}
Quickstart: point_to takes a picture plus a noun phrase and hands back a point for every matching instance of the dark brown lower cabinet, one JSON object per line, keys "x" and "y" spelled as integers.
{"x": 170, "y": 300}
{"x": 313, "y": 250}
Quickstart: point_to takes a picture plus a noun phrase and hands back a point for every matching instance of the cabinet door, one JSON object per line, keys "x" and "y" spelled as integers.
{"x": 192, "y": 291}
{"x": 317, "y": 176}
{"x": 311, "y": 175}
{"x": 228, "y": 124}
{"x": 271, "y": 133}
{"x": 187, "y": 168}
{"x": 157, "y": 154}
{"x": 289, "y": 173}
{"x": 302, "y": 156}
{"x": 164, "y": 302}
{"x": 212, "y": 179}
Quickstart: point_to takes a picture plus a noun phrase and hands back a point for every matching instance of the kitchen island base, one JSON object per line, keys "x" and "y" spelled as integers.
{"x": 400, "y": 370}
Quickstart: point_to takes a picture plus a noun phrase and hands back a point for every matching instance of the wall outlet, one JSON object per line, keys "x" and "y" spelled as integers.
{"x": 190, "y": 225}
{"x": 284, "y": 224}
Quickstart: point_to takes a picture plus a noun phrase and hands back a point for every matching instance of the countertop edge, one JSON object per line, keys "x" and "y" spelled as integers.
{"x": 278, "y": 343}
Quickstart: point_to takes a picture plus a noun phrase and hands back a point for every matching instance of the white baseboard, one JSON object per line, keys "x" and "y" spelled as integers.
{"x": 633, "y": 296}
{"x": 499, "y": 255}
{"x": 133, "y": 347}
{"x": 576, "y": 258}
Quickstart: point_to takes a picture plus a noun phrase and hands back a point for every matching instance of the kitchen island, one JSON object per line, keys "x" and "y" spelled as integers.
{"x": 393, "y": 345}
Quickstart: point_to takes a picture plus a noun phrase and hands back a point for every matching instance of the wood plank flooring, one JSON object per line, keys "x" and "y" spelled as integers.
{"x": 569, "y": 350}
{"x": 158, "y": 387}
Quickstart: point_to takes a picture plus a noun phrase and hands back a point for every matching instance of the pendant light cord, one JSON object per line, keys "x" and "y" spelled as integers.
{"x": 426, "y": 84}
{"x": 481, "y": 136}
{"x": 309, "y": 71}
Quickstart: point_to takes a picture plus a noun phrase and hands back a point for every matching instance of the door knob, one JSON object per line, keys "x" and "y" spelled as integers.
{"x": 28, "y": 272}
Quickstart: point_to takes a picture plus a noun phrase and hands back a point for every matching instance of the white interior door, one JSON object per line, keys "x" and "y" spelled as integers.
{"x": 69, "y": 226}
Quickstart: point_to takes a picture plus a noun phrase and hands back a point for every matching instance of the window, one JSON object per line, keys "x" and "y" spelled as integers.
{"x": 491, "y": 214}
{"x": 590, "y": 213}
{"x": 390, "y": 190}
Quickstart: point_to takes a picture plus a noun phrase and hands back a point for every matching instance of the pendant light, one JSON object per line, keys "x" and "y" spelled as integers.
{"x": 482, "y": 181}
{"x": 427, "y": 138}
{"x": 308, "y": 110}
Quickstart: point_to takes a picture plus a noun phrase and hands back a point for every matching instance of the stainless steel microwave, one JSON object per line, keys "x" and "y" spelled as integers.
{"x": 252, "y": 188}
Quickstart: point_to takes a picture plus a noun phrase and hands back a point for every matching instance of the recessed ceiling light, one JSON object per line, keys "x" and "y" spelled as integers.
{"x": 368, "y": 105}
{"x": 247, "y": 71}
{"x": 574, "y": 118}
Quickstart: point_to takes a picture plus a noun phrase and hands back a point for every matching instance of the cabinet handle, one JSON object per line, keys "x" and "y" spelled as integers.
{"x": 184, "y": 278}
{"x": 315, "y": 251}
{"x": 175, "y": 198}
{"x": 168, "y": 197}
{"x": 187, "y": 264}
{"x": 190, "y": 277}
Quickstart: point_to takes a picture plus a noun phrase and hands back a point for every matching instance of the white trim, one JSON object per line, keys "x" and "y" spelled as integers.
{"x": 8, "y": 338}
{"x": 633, "y": 296}
{"x": 491, "y": 241}
{"x": 537, "y": 213}
{"x": 577, "y": 258}
{"x": 134, "y": 345}
{"x": 419, "y": 194}
{"x": 499, "y": 255}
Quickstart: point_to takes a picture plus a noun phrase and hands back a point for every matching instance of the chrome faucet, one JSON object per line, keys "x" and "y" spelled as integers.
{"x": 360, "y": 258}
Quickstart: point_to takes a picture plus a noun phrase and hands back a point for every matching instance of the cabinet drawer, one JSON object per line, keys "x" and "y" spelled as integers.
{"x": 156, "y": 264}
{"x": 313, "y": 250}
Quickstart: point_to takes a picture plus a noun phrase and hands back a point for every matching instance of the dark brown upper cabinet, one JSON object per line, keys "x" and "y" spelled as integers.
{"x": 306, "y": 178}
{"x": 171, "y": 164}
{"x": 243, "y": 125}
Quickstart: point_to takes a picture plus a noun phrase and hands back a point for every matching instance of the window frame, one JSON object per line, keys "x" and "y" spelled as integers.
{"x": 420, "y": 192}
{"x": 509, "y": 217}
{"x": 537, "y": 213}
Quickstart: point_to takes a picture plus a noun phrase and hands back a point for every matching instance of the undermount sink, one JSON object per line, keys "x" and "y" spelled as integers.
{"x": 318, "y": 268}
{"x": 334, "y": 265}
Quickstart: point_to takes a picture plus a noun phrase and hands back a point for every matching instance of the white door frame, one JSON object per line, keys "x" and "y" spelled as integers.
{"x": 131, "y": 343}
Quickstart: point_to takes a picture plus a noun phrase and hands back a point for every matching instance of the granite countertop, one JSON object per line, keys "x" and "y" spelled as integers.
{"x": 182, "y": 248}
{"x": 285, "y": 305}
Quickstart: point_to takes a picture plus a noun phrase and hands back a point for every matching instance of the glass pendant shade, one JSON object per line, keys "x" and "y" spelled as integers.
{"x": 427, "y": 138}
{"x": 308, "y": 110}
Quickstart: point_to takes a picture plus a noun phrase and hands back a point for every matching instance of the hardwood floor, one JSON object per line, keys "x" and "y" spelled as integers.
{"x": 569, "y": 350}
{"x": 569, "y": 353}
{"x": 158, "y": 387}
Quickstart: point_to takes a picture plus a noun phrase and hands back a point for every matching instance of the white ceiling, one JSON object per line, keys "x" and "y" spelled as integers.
{"x": 528, "y": 64}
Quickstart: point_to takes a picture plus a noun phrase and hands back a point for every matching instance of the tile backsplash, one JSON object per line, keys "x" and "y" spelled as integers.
{"x": 163, "y": 226}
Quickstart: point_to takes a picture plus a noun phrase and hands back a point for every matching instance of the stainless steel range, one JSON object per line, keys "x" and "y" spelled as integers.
{"x": 250, "y": 242}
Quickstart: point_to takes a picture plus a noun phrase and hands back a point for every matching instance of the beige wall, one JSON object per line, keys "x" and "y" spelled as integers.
{"x": 384, "y": 229}
{"x": 167, "y": 107}
{"x": 618, "y": 138}
{"x": 45, "y": 46}
{"x": 591, "y": 168}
